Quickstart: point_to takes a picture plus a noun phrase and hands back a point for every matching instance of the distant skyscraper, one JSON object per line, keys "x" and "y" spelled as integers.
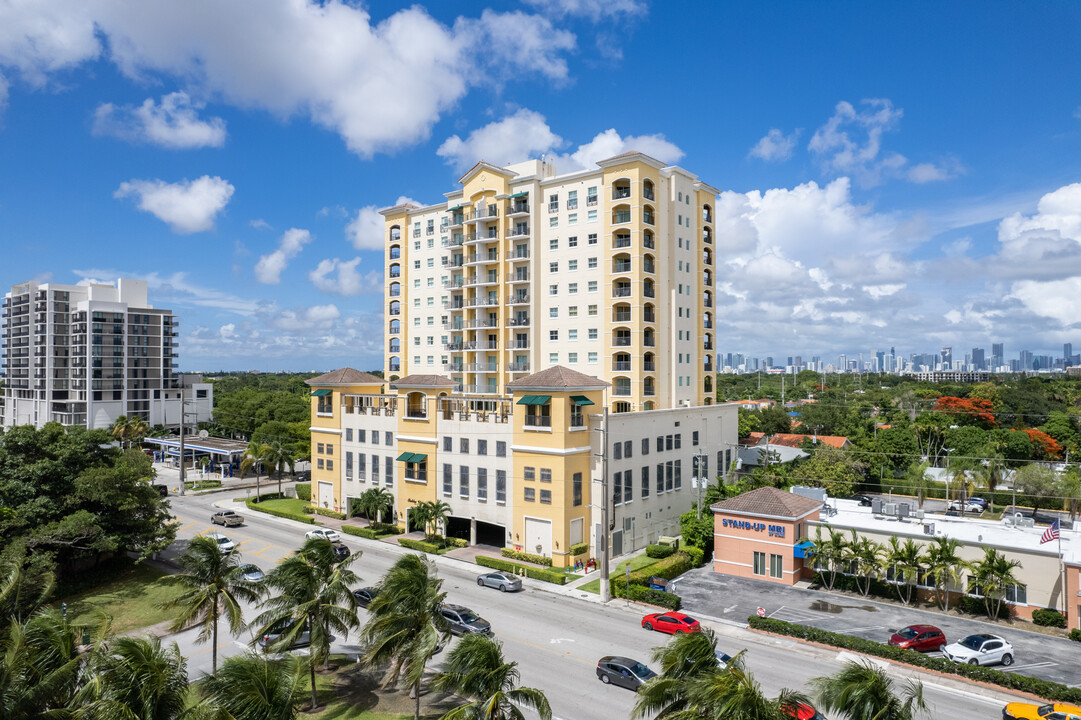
{"x": 947, "y": 358}
{"x": 998, "y": 355}
{"x": 978, "y": 359}
{"x": 1025, "y": 360}
{"x": 1067, "y": 352}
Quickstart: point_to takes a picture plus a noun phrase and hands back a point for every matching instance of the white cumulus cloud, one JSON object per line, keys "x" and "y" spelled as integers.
{"x": 269, "y": 268}
{"x": 306, "y": 318}
{"x": 173, "y": 123}
{"x": 594, "y": 10}
{"x": 610, "y": 143}
{"x": 349, "y": 282}
{"x": 775, "y": 146}
{"x": 188, "y": 206}
{"x": 515, "y": 138}
{"x": 365, "y": 230}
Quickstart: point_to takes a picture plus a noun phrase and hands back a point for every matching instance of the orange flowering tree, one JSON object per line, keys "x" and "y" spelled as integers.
{"x": 976, "y": 410}
{"x": 1046, "y": 447}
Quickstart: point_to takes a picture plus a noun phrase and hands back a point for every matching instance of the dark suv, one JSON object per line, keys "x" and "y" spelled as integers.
{"x": 623, "y": 671}
{"x": 462, "y": 620}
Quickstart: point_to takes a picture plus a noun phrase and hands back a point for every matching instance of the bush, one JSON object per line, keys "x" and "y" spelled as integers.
{"x": 360, "y": 532}
{"x": 1049, "y": 618}
{"x": 976, "y": 606}
{"x": 420, "y": 545}
{"x": 257, "y": 507}
{"x": 660, "y": 551}
{"x": 446, "y": 541}
{"x": 1042, "y": 688}
{"x": 527, "y": 557}
{"x": 647, "y": 595}
{"x": 1075, "y": 635}
{"x": 325, "y": 512}
{"x": 696, "y": 554}
{"x": 202, "y": 484}
{"x": 386, "y": 528}
{"x": 304, "y": 491}
{"x": 551, "y": 576}
{"x": 580, "y": 549}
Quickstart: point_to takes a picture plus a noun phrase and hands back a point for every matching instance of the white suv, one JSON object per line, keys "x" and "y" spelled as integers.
{"x": 982, "y": 649}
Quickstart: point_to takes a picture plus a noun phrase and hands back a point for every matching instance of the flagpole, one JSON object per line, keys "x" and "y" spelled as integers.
{"x": 1062, "y": 569}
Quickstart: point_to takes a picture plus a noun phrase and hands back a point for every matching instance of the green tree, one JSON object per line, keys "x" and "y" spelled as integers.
{"x": 312, "y": 594}
{"x": 918, "y": 480}
{"x": 833, "y": 469}
{"x": 121, "y": 429}
{"x": 250, "y": 687}
{"x": 252, "y": 462}
{"x": 476, "y": 670}
{"x": 1070, "y": 487}
{"x": 1062, "y": 427}
{"x": 945, "y": 566}
{"x": 906, "y": 561}
{"x": 867, "y": 557}
{"x": 375, "y": 502}
{"x": 774, "y": 420}
{"x": 277, "y": 457}
{"x": 994, "y": 575}
{"x": 136, "y": 678}
{"x": 864, "y": 691}
{"x": 213, "y": 587}
{"x": 406, "y": 626}
{"x": 1038, "y": 482}
{"x": 681, "y": 659}
{"x": 830, "y": 555}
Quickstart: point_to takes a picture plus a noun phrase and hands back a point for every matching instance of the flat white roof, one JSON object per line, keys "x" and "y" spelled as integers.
{"x": 969, "y": 531}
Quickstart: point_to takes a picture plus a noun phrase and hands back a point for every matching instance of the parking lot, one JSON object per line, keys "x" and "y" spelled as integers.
{"x": 712, "y": 595}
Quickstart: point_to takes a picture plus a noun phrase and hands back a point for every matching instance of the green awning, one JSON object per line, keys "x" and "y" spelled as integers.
{"x": 581, "y": 400}
{"x": 456, "y": 209}
{"x": 520, "y": 195}
{"x": 419, "y": 457}
{"x": 534, "y": 400}
{"x": 412, "y": 457}
{"x": 404, "y": 457}
{"x": 320, "y": 393}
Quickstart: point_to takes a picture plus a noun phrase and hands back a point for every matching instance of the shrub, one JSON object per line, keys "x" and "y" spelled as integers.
{"x": 1012, "y": 681}
{"x": 976, "y": 606}
{"x": 551, "y": 576}
{"x": 325, "y": 512}
{"x": 580, "y": 549}
{"x": 360, "y": 531}
{"x": 446, "y": 541}
{"x": 660, "y": 551}
{"x": 304, "y": 491}
{"x": 420, "y": 545}
{"x": 257, "y": 507}
{"x": 647, "y": 595}
{"x": 1075, "y": 635}
{"x": 385, "y": 528}
{"x": 696, "y": 554}
{"x": 527, "y": 557}
{"x": 1049, "y": 618}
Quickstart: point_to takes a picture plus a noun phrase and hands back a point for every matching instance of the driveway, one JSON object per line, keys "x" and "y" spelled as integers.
{"x": 724, "y": 597}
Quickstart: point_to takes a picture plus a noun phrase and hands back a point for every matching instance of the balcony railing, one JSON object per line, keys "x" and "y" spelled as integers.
{"x": 518, "y": 231}
{"x": 591, "y": 201}
{"x": 649, "y": 366}
{"x": 648, "y": 218}
{"x": 621, "y": 241}
{"x": 553, "y": 207}
{"x": 518, "y": 209}
{"x": 621, "y": 292}
{"x": 518, "y": 322}
{"x": 621, "y": 391}
{"x": 621, "y": 316}
{"x": 538, "y": 420}
{"x": 647, "y": 193}
{"x": 473, "y": 324}
{"x": 649, "y": 316}
{"x": 649, "y": 267}
{"x": 518, "y": 367}
{"x": 620, "y": 193}
{"x": 621, "y": 342}
{"x": 518, "y": 254}
{"x": 481, "y": 302}
{"x": 471, "y": 345}
{"x": 649, "y": 391}
{"x": 649, "y": 342}
{"x": 621, "y": 266}
{"x": 649, "y": 291}
{"x": 621, "y": 216}
{"x": 621, "y": 366}
{"x": 522, "y": 299}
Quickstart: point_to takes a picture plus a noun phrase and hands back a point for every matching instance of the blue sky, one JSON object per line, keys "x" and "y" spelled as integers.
{"x": 893, "y": 174}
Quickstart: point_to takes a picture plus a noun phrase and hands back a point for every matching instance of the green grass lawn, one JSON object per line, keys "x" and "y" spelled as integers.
{"x": 131, "y": 598}
{"x": 637, "y": 563}
{"x": 289, "y": 505}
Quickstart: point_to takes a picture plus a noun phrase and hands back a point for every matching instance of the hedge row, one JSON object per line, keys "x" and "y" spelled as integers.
{"x": 530, "y": 572}
{"x": 527, "y": 557}
{"x": 252, "y": 505}
{"x": 446, "y": 541}
{"x": 660, "y": 551}
{"x": 668, "y": 568}
{"x": 420, "y": 545}
{"x": 325, "y": 512}
{"x": 1043, "y": 688}
{"x": 579, "y": 549}
{"x": 385, "y": 528}
{"x": 360, "y": 532}
{"x": 304, "y": 491}
{"x": 650, "y": 596}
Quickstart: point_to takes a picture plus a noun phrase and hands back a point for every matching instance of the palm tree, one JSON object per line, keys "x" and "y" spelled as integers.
{"x": 475, "y": 669}
{"x": 863, "y": 691}
{"x": 990, "y": 474}
{"x": 945, "y": 567}
{"x": 867, "y": 558}
{"x": 252, "y": 460}
{"x": 213, "y": 586}
{"x": 918, "y": 479}
{"x": 1071, "y": 492}
{"x": 137, "y": 430}
{"x": 684, "y": 657}
{"x": 406, "y": 626}
{"x": 249, "y": 687}
{"x": 314, "y": 596}
{"x": 136, "y": 678}
{"x": 420, "y": 516}
{"x": 906, "y": 561}
{"x": 830, "y": 554}
{"x": 121, "y": 429}
{"x": 437, "y": 515}
{"x": 277, "y": 457}
{"x": 993, "y": 575}
{"x": 24, "y": 589}
{"x": 375, "y": 501}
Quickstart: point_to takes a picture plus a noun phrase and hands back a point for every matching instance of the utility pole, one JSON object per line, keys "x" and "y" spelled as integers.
{"x": 182, "y": 437}
{"x": 701, "y": 472}
{"x": 602, "y": 539}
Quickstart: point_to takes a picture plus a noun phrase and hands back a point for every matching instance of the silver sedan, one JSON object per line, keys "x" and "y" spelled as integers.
{"x": 503, "y": 581}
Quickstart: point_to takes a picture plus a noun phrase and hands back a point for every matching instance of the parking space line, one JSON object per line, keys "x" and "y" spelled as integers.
{"x": 1031, "y": 666}
{"x": 849, "y": 631}
{"x": 185, "y": 527}
{"x": 242, "y": 542}
{"x": 287, "y": 555}
{"x": 260, "y": 552}
{"x": 203, "y": 532}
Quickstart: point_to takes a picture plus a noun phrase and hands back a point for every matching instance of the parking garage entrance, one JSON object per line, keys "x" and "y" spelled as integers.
{"x": 487, "y": 533}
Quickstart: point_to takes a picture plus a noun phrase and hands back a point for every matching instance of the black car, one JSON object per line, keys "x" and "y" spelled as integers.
{"x": 462, "y": 621}
{"x": 364, "y": 596}
{"x": 340, "y": 550}
{"x": 863, "y": 499}
{"x": 623, "y": 671}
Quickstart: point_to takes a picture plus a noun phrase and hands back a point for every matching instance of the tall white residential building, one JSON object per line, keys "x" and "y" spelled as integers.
{"x": 87, "y": 354}
{"x": 609, "y": 271}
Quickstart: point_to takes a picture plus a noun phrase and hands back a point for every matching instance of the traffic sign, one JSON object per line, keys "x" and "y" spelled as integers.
{"x": 761, "y": 612}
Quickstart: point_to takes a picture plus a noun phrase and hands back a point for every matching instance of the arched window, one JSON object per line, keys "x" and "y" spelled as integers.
{"x": 621, "y": 312}
{"x": 707, "y": 214}
{"x": 621, "y": 337}
{"x": 395, "y": 365}
{"x": 649, "y": 362}
{"x": 707, "y": 320}
{"x": 647, "y": 190}
{"x": 621, "y": 214}
{"x": 707, "y": 257}
{"x": 395, "y": 270}
{"x": 707, "y": 342}
{"x": 709, "y": 384}
{"x": 621, "y": 386}
{"x": 395, "y": 289}
{"x": 395, "y": 345}
{"x": 395, "y": 252}
{"x": 707, "y": 277}
{"x": 416, "y": 405}
{"x": 649, "y": 338}
{"x": 649, "y": 313}
{"x": 621, "y": 362}
{"x": 621, "y": 407}
{"x": 649, "y": 387}
{"x": 649, "y": 289}
{"x": 649, "y": 216}
{"x": 621, "y": 263}
{"x": 707, "y": 299}
{"x": 395, "y": 327}
{"x": 648, "y": 264}
{"x": 707, "y": 236}
{"x": 395, "y": 233}
{"x": 621, "y": 239}
{"x": 647, "y": 240}
{"x": 621, "y": 288}
{"x": 621, "y": 189}
{"x": 395, "y": 307}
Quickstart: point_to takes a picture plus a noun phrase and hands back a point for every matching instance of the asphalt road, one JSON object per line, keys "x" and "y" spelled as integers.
{"x": 556, "y": 639}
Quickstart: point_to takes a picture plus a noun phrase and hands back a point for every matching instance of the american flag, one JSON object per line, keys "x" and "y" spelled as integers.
{"x": 1051, "y": 533}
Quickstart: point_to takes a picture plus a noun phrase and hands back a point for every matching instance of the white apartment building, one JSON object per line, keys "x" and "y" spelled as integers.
{"x": 87, "y": 354}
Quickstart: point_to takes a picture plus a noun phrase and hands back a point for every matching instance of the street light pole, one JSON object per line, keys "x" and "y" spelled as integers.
{"x": 602, "y": 539}
{"x": 181, "y": 437}
{"x": 701, "y": 472}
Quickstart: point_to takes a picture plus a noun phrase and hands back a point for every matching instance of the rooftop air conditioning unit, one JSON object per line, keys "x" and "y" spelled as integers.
{"x": 919, "y": 514}
{"x": 1026, "y": 522}
{"x": 889, "y": 509}
{"x": 904, "y": 510}
{"x": 929, "y": 529}
{"x": 876, "y": 506}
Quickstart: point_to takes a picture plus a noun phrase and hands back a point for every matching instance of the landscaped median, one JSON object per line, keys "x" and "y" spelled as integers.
{"x": 1046, "y": 689}
{"x": 289, "y": 508}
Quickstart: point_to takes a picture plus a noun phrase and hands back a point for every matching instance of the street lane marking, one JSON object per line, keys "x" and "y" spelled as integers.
{"x": 287, "y": 555}
{"x": 189, "y": 525}
{"x": 260, "y": 552}
{"x": 242, "y": 542}
{"x": 201, "y": 532}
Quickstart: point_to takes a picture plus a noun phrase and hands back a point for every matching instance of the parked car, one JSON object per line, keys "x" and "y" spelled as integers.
{"x": 163, "y": 490}
{"x": 984, "y": 503}
{"x": 922, "y": 638}
{"x": 723, "y": 659}
{"x": 462, "y": 620}
{"x": 671, "y": 623}
{"x": 969, "y": 507}
{"x": 225, "y": 545}
{"x": 803, "y": 711}
{"x": 323, "y": 534}
{"x": 623, "y": 671}
{"x": 252, "y": 573}
{"x": 341, "y": 550}
{"x": 271, "y": 635}
{"x": 364, "y": 596}
{"x": 228, "y": 518}
{"x": 503, "y": 581}
{"x": 1051, "y": 711}
{"x": 983, "y": 649}
{"x": 863, "y": 499}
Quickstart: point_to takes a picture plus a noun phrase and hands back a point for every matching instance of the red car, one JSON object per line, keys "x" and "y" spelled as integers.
{"x": 671, "y": 623}
{"x": 803, "y": 711}
{"x": 923, "y": 638}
